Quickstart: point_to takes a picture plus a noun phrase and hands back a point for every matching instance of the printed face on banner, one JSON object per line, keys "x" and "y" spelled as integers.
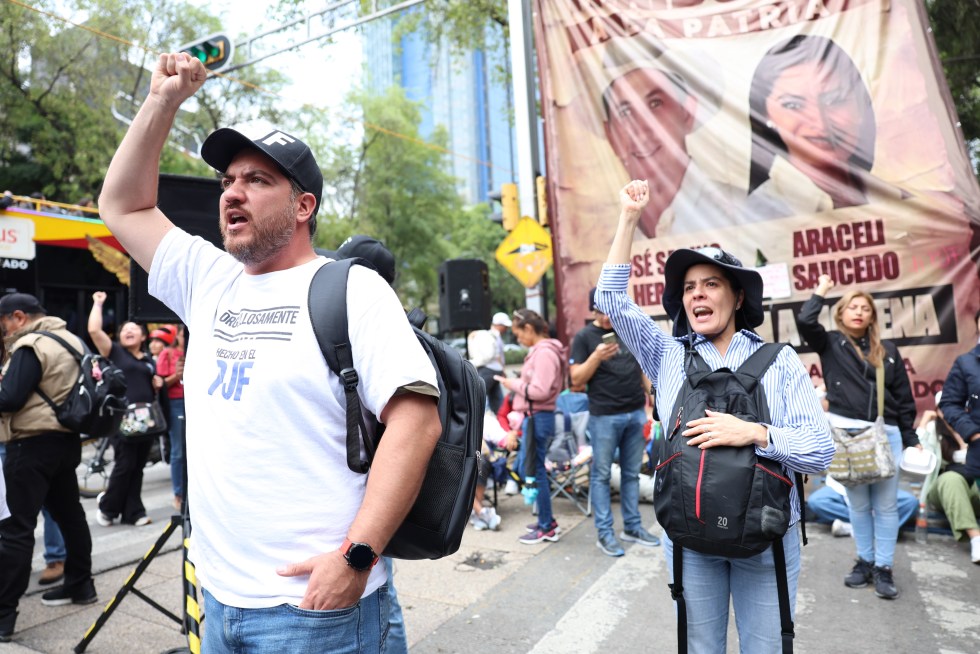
{"x": 810, "y": 108}
{"x": 649, "y": 118}
{"x": 816, "y": 114}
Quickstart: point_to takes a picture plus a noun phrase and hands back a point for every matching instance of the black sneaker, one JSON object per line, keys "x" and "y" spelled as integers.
{"x": 884, "y": 583}
{"x": 7, "y": 622}
{"x": 60, "y": 596}
{"x": 860, "y": 575}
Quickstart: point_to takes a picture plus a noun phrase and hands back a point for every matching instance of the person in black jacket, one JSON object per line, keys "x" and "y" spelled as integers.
{"x": 960, "y": 403}
{"x": 849, "y": 357}
{"x": 122, "y": 497}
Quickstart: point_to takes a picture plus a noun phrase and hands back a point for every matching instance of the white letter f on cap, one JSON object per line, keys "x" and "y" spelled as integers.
{"x": 278, "y": 137}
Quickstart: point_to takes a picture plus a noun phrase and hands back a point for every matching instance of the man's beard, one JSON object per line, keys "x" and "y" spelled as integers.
{"x": 269, "y": 236}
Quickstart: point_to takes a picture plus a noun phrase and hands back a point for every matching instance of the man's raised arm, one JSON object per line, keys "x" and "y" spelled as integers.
{"x": 129, "y": 195}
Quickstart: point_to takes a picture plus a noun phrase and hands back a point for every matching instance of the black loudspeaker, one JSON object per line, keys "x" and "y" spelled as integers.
{"x": 191, "y": 203}
{"x": 464, "y": 295}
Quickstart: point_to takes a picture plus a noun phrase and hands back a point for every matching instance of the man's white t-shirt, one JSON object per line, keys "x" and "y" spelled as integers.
{"x": 266, "y": 428}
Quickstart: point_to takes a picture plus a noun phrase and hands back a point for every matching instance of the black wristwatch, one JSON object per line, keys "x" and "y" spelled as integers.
{"x": 360, "y": 556}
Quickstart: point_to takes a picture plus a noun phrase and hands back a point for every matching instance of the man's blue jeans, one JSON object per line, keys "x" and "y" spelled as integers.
{"x": 709, "y": 582}
{"x": 359, "y": 629}
{"x": 829, "y": 505}
{"x": 54, "y": 542}
{"x": 874, "y": 511}
{"x": 397, "y": 642}
{"x": 622, "y": 431}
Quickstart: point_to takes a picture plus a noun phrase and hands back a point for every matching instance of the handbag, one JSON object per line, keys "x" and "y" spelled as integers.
{"x": 143, "y": 419}
{"x": 863, "y": 454}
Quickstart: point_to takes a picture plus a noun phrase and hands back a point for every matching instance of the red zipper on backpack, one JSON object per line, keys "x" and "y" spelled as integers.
{"x": 775, "y": 474}
{"x": 697, "y": 488}
{"x": 677, "y": 423}
{"x": 672, "y": 457}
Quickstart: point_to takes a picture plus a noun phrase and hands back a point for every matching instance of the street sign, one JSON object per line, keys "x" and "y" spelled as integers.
{"x": 526, "y": 252}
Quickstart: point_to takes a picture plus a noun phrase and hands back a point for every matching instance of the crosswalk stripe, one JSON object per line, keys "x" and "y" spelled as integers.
{"x": 597, "y": 614}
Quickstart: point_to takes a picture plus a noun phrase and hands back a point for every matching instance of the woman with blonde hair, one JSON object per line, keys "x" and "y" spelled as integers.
{"x": 850, "y": 357}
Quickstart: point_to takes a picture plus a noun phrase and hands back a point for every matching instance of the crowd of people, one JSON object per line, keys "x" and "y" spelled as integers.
{"x": 265, "y": 421}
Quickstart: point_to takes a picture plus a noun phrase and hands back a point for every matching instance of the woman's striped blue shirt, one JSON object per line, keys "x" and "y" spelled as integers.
{"x": 799, "y": 434}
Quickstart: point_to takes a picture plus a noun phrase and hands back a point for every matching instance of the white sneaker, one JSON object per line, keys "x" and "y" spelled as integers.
{"x": 477, "y": 521}
{"x": 490, "y": 518}
{"x": 100, "y": 517}
{"x": 975, "y": 549}
{"x": 841, "y": 529}
{"x": 511, "y": 487}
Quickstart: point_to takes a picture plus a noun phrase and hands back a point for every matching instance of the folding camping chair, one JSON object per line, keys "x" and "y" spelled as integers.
{"x": 569, "y": 454}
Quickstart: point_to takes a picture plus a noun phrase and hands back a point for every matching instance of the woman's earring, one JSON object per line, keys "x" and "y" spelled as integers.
{"x": 770, "y": 125}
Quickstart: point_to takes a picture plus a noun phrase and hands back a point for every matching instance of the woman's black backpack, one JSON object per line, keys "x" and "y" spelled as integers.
{"x": 724, "y": 501}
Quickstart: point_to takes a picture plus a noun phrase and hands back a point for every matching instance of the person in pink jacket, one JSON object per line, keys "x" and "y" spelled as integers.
{"x": 535, "y": 394}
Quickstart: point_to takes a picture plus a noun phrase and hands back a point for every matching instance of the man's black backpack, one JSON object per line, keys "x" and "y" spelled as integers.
{"x": 435, "y": 524}
{"x": 97, "y": 402}
{"x": 724, "y": 501}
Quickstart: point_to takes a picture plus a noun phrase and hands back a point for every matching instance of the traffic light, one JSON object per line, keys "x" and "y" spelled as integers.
{"x": 510, "y": 206}
{"x": 213, "y": 51}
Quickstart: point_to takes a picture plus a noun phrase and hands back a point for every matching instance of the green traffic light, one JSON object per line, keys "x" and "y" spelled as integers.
{"x": 214, "y": 52}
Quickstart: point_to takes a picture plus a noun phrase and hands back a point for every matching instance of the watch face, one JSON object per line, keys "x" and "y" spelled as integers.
{"x": 360, "y": 556}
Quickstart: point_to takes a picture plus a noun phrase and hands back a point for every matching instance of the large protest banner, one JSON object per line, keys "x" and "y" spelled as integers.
{"x": 815, "y": 136}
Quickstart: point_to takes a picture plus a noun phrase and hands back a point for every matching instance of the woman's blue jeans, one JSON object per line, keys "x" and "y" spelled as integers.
{"x": 750, "y": 584}
{"x": 360, "y": 629}
{"x": 874, "y": 511}
{"x": 544, "y": 431}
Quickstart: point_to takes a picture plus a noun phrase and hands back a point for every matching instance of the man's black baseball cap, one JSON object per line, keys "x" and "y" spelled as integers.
{"x": 20, "y": 302}
{"x": 293, "y": 156}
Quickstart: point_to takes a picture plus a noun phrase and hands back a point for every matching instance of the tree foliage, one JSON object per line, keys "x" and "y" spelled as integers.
{"x": 64, "y": 87}
{"x": 464, "y": 24}
{"x": 393, "y": 185}
{"x": 390, "y": 183}
{"x": 956, "y": 28}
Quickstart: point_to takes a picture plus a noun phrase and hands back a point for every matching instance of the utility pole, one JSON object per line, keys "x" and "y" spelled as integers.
{"x": 525, "y": 124}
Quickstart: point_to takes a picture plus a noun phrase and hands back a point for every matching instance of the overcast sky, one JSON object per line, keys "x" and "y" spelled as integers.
{"x": 322, "y": 74}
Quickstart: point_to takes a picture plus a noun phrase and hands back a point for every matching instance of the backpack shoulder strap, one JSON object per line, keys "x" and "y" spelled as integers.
{"x": 695, "y": 367}
{"x": 753, "y": 368}
{"x": 75, "y": 353}
{"x": 327, "y": 303}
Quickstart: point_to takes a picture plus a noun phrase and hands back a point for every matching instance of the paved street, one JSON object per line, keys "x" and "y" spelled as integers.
{"x": 497, "y": 595}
